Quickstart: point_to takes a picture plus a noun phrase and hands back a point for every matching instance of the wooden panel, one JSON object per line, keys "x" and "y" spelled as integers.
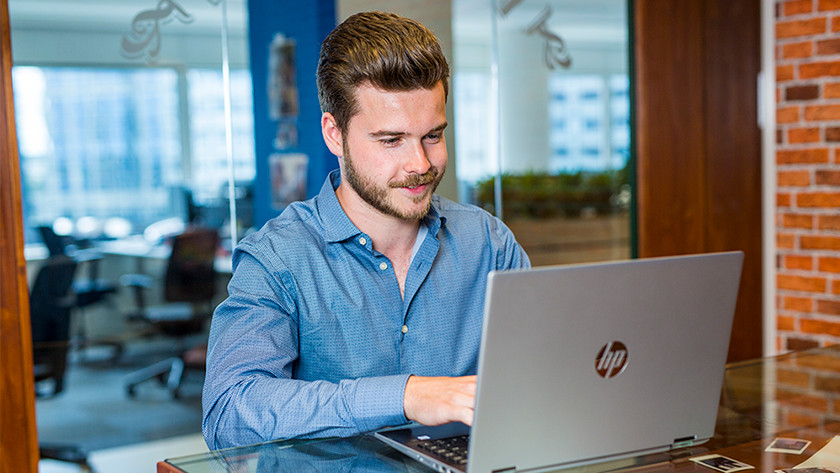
{"x": 669, "y": 136}
{"x": 18, "y": 437}
{"x": 733, "y": 155}
{"x": 698, "y": 146}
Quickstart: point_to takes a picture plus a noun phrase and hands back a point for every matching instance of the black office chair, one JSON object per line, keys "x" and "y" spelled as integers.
{"x": 50, "y": 303}
{"x": 189, "y": 288}
{"x": 89, "y": 290}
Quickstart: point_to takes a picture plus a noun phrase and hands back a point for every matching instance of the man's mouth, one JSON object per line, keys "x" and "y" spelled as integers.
{"x": 417, "y": 181}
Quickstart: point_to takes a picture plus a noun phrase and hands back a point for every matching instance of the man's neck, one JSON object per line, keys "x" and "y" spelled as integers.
{"x": 391, "y": 236}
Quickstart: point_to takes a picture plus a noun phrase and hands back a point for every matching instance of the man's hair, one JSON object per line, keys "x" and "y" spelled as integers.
{"x": 384, "y": 50}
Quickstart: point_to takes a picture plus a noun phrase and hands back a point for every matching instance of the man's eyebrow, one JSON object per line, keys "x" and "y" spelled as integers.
{"x": 382, "y": 133}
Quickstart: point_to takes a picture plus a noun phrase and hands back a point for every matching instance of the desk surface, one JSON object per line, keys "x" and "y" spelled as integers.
{"x": 795, "y": 395}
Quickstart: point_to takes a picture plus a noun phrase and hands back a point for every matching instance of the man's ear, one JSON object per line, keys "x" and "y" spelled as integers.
{"x": 332, "y": 134}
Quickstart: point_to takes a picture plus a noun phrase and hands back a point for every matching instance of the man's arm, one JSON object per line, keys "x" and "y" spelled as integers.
{"x": 249, "y": 394}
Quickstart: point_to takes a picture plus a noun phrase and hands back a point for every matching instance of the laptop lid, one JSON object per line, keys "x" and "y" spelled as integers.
{"x": 587, "y": 363}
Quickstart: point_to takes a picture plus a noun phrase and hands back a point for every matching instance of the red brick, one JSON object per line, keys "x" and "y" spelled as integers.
{"x": 828, "y": 222}
{"x": 804, "y": 135}
{"x": 801, "y": 283}
{"x": 798, "y": 344}
{"x": 787, "y": 114}
{"x": 802, "y": 92}
{"x": 822, "y": 112}
{"x": 818, "y": 199}
{"x": 783, "y": 199}
{"x": 788, "y": 377}
{"x": 829, "y": 264}
{"x": 798, "y": 221}
{"x": 835, "y": 287}
{"x": 784, "y": 73}
{"x": 813, "y": 402}
{"x": 828, "y": 47}
{"x": 828, "y": 5}
{"x": 785, "y": 241}
{"x": 828, "y": 178}
{"x": 797, "y": 50}
{"x": 792, "y": 419}
{"x": 813, "y": 70}
{"x": 799, "y": 262}
{"x": 831, "y": 90}
{"x": 797, "y": 7}
{"x": 796, "y": 304}
{"x": 793, "y": 179}
{"x": 835, "y": 24}
{"x": 802, "y": 156}
{"x": 828, "y": 307}
{"x": 786, "y": 323}
{"x": 820, "y": 327}
{"x": 792, "y": 29}
{"x": 827, "y": 384}
{"x": 820, "y": 362}
{"x": 808, "y": 242}
{"x": 832, "y": 134}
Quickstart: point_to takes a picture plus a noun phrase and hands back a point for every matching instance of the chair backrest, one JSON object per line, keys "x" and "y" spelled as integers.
{"x": 50, "y": 303}
{"x": 191, "y": 273}
{"x": 54, "y": 242}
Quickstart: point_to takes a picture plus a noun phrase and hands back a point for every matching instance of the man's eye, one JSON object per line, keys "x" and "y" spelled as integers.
{"x": 434, "y": 137}
{"x": 390, "y": 141}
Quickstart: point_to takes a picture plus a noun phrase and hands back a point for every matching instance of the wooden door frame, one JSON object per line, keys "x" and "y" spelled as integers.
{"x": 18, "y": 434}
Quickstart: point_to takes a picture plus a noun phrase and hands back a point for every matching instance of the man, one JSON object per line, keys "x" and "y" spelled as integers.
{"x": 362, "y": 307}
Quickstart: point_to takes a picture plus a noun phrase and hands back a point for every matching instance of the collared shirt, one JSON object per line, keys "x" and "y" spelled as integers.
{"x": 315, "y": 339}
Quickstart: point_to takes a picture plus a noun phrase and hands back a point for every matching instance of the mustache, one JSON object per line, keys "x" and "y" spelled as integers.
{"x": 417, "y": 179}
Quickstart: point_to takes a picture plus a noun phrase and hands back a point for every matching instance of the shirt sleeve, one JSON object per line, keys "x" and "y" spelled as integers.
{"x": 250, "y": 395}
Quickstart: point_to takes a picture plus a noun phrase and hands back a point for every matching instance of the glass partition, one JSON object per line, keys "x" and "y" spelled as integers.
{"x": 134, "y": 120}
{"x": 120, "y": 112}
{"x": 542, "y": 104}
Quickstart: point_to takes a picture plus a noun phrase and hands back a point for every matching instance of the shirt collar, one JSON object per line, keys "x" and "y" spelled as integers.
{"x": 337, "y": 224}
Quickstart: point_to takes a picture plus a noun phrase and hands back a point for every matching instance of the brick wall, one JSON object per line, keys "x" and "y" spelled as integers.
{"x": 808, "y": 166}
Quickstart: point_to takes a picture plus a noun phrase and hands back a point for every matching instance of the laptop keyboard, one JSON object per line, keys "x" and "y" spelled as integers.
{"x": 453, "y": 449}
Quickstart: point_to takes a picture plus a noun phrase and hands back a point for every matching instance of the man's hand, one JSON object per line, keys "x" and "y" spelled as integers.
{"x": 435, "y": 401}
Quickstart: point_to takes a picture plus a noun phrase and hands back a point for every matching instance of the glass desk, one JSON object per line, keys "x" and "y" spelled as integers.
{"x": 794, "y": 395}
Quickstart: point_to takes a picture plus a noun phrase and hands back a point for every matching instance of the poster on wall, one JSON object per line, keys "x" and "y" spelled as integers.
{"x": 288, "y": 178}
{"x": 283, "y": 99}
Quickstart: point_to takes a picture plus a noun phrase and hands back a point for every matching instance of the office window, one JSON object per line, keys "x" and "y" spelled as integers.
{"x": 104, "y": 143}
{"x": 596, "y": 117}
{"x": 207, "y": 132}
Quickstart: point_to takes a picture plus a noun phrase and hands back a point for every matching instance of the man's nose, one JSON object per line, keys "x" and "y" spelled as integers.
{"x": 417, "y": 161}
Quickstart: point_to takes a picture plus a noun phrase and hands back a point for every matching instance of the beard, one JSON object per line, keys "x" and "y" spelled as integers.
{"x": 378, "y": 197}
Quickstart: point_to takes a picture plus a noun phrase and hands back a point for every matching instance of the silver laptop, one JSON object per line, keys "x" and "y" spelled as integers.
{"x": 582, "y": 364}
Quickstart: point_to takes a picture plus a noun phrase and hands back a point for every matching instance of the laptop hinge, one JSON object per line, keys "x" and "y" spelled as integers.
{"x": 684, "y": 442}
{"x": 503, "y": 470}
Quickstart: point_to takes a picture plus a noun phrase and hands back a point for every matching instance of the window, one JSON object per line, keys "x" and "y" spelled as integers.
{"x": 100, "y": 142}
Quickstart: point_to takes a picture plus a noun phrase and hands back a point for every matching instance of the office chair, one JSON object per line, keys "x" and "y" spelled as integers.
{"x": 89, "y": 290}
{"x": 188, "y": 291}
{"x": 50, "y": 304}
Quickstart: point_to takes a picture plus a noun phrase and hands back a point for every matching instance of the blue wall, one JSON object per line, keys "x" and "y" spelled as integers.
{"x": 308, "y": 23}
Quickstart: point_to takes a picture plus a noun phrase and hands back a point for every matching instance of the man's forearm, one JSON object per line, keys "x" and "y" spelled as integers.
{"x": 261, "y": 408}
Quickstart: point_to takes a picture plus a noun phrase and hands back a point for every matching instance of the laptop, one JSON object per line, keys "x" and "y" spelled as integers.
{"x": 582, "y": 364}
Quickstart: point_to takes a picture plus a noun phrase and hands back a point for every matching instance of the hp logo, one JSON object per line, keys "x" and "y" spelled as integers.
{"x": 611, "y": 360}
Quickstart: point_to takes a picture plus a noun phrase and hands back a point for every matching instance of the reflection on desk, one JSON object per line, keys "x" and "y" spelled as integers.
{"x": 794, "y": 395}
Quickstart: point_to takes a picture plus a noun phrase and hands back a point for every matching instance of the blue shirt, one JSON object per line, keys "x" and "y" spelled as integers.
{"x": 315, "y": 340}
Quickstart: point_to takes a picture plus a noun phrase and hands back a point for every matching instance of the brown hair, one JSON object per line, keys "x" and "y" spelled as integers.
{"x": 384, "y": 50}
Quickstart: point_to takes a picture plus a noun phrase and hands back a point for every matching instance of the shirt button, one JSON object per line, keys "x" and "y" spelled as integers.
{"x": 362, "y": 241}
{"x": 383, "y": 266}
{"x": 404, "y": 329}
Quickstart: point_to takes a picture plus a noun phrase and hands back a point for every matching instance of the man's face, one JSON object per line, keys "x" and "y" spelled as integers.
{"x": 394, "y": 152}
